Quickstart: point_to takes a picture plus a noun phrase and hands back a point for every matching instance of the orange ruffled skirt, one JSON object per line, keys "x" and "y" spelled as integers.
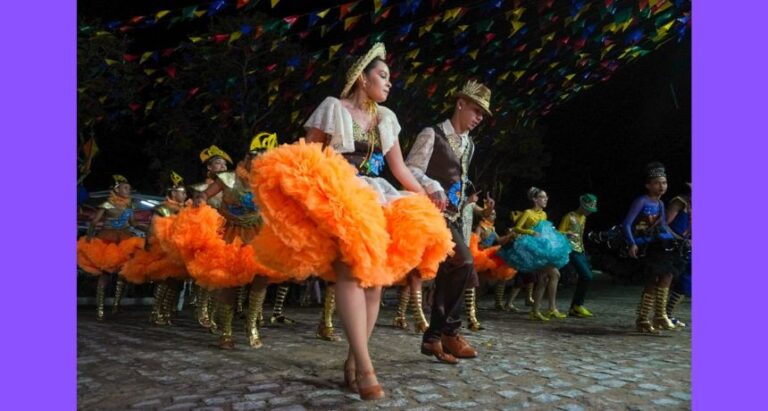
{"x": 316, "y": 211}
{"x": 153, "y": 265}
{"x": 107, "y": 252}
{"x": 487, "y": 261}
{"x": 196, "y": 236}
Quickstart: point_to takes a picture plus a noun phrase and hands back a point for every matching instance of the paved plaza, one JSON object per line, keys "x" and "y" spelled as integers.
{"x": 572, "y": 364}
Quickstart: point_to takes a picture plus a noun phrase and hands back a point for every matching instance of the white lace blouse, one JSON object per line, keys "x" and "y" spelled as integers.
{"x": 332, "y": 118}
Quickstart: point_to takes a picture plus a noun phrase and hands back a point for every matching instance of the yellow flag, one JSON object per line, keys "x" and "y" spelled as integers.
{"x": 412, "y": 54}
{"x": 160, "y": 80}
{"x": 274, "y": 3}
{"x": 570, "y": 77}
{"x": 453, "y": 78}
{"x": 145, "y": 56}
{"x": 425, "y": 29}
{"x": 548, "y": 37}
{"x": 272, "y": 99}
{"x": 206, "y": 108}
{"x": 110, "y": 61}
{"x": 534, "y": 53}
{"x": 323, "y": 79}
{"x": 149, "y": 72}
{"x": 473, "y": 54}
{"x": 518, "y": 74}
{"x": 274, "y": 85}
{"x": 463, "y": 27}
{"x": 504, "y": 75}
{"x": 160, "y": 14}
{"x": 103, "y": 33}
{"x": 200, "y": 13}
{"x": 410, "y": 79}
{"x": 518, "y": 12}
{"x": 102, "y": 99}
{"x": 376, "y": 6}
{"x": 323, "y": 13}
{"x": 415, "y": 64}
{"x": 451, "y": 14}
{"x": 333, "y": 50}
{"x": 234, "y": 36}
{"x": 149, "y": 106}
{"x": 294, "y": 116}
{"x": 195, "y": 39}
{"x": 516, "y": 25}
{"x": 351, "y": 21}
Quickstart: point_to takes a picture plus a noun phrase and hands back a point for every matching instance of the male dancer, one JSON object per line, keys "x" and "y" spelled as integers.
{"x": 440, "y": 160}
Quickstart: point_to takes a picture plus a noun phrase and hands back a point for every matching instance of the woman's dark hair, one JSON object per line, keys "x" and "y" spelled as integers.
{"x": 346, "y": 64}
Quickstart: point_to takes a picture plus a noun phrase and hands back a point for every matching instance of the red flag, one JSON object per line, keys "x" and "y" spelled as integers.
{"x": 220, "y": 38}
{"x": 290, "y": 20}
{"x": 130, "y": 57}
{"x": 171, "y": 70}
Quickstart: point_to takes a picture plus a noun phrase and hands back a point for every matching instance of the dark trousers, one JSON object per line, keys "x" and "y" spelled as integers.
{"x": 453, "y": 277}
{"x": 580, "y": 263}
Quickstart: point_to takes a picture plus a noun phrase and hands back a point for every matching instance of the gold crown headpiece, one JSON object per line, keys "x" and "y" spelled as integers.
{"x": 177, "y": 182}
{"x": 263, "y": 141}
{"x": 377, "y": 50}
{"x": 214, "y": 151}
{"x": 119, "y": 179}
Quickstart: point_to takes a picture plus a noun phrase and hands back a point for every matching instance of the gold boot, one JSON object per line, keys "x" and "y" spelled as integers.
{"x": 100, "y": 294}
{"x": 255, "y": 306}
{"x": 242, "y": 294}
{"x": 675, "y": 299}
{"x": 325, "y": 329}
{"x": 660, "y": 319}
{"x": 277, "y": 310}
{"x": 201, "y": 307}
{"x": 644, "y": 309}
{"x": 470, "y": 305}
{"x": 213, "y": 306}
{"x": 119, "y": 290}
{"x": 499, "y": 289}
{"x": 225, "y": 313}
{"x": 417, "y": 306}
{"x": 403, "y": 296}
{"x": 155, "y": 315}
{"x": 170, "y": 300}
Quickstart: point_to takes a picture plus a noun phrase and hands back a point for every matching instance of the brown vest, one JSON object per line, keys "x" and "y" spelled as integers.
{"x": 445, "y": 167}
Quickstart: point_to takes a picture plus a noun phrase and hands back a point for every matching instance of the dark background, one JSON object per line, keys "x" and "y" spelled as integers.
{"x": 598, "y": 141}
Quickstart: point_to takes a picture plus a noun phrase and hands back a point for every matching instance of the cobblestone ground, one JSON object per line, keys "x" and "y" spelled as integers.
{"x": 571, "y": 364}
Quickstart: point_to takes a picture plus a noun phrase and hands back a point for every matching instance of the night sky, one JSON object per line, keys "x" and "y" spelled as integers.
{"x": 598, "y": 141}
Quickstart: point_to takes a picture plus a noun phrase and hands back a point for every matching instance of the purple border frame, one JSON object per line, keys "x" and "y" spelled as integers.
{"x": 729, "y": 89}
{"x": 39, "y": 346}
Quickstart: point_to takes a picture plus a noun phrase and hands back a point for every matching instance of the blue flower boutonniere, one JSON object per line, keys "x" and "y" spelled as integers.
{"x": 454, "y": 194}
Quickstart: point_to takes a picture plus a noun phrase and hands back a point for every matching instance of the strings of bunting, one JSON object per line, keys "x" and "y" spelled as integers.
{"x": 534, "y": 55}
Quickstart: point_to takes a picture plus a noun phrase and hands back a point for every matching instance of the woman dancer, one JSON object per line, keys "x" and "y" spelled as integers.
{"x": 650, "y": 239}
{"x": 541, "y": 250}
{"x": 104, "y": 250}
{"x": 327, "y": 211}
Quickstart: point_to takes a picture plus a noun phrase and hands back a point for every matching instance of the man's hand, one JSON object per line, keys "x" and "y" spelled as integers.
{"x": 439, "y": 200}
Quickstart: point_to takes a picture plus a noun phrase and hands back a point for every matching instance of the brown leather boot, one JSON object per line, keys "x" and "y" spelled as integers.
{"x": 457, "y": 346}
{"x": 436, "y": 348}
